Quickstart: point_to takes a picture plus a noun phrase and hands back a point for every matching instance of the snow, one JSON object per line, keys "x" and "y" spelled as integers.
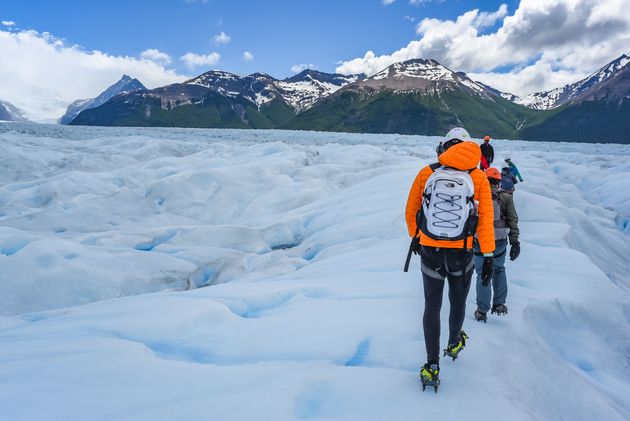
{"x": 542, "y": 100}
{"x": 299, "y": 239}
{"x": 211, "y": 78}
{"x": 302, "y": 95}
{"x": 260, "y": 98}
{"x": 429, "y": 70}
{"x": 472, "y": 85}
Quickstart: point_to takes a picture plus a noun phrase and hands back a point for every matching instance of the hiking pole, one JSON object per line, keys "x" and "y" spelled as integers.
{"x": 408, "y": 260}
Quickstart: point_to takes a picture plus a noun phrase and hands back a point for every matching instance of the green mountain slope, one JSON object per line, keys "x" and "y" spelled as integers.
{"x": 589, "y": 121}
{"x": 211, "y": 110}
{"x": 413, "y": 113}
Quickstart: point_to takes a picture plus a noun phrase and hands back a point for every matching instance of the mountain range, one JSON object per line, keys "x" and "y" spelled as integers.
{"x": 414, "y": 97}
{"x": 219, "y": 99}
{"x": 418, "y": 96}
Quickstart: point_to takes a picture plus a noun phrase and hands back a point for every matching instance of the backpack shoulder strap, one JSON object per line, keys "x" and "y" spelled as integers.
{"x": 435, "y": 166}
{"x": 500, "y": 195}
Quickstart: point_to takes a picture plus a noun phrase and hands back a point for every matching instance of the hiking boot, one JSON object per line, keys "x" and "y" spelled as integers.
{"x": 430, "y": 376}
{"x": 453, "y": 350}
{"x": 499, "y": 309}
{"x": 481, "y": 316}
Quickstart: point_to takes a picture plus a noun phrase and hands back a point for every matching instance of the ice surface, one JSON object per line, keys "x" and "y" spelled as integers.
{"x": 299, "y": 239}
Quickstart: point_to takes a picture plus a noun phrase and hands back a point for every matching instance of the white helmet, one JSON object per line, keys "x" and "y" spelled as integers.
{"x": 453, "y": 137}
{"x": 457, "y": 133}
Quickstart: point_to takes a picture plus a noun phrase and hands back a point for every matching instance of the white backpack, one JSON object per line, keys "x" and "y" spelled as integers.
{"x": 448, "y": 209}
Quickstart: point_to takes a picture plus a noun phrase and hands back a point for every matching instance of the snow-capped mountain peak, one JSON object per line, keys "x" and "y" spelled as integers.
{"x": 309, "y": 86}
{"x": 505, "y": 95}
{"x": 309, "y": 75}
{"x": 554, "y": 98}
{"x": 126, "y": 84}
{"x": 422, "y": 75}
{"x": 417, "y": 68}
{"x": 300, "y": 91}
{"x": 9, "y": 112}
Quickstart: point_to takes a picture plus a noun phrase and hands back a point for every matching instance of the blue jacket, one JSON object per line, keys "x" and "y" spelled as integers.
{"x": 514, "y": 170}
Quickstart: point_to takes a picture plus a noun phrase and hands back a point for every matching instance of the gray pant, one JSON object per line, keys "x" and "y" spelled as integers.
{"x": 499, "y": 280}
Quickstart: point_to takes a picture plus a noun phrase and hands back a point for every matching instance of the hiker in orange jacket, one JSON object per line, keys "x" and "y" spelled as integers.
{"x": 442, "y": 257}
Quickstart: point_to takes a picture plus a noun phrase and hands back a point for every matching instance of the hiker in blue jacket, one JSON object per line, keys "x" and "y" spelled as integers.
{"x": 513, "y": 169}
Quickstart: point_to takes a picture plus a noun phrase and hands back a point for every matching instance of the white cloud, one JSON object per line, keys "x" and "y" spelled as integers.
{"x": 156, "y": 56}
{"x": 222, "y": 38}
{"x": 537, "y": 77}
{"x": 297, "y": 68}
{"x": 192, "y": 60}
{"x": 559, "y": 40}
{"x": 247, "y": 56}
{"x": 43, "y": 75}
{"x": 8, "y": 23}
{"x": 386, "y": 2}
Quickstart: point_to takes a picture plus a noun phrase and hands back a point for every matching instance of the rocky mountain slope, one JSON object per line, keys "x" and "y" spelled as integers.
{"x": 124, "y": 85}
{"x": 9, "y": 112}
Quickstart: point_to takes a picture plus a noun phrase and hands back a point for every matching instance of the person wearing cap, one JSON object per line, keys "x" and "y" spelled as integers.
{"x": 505, "y": 228}
{"x": 448, "y": 259}
{"x": 513, "y": 169}
{"x": 487, "y": 153}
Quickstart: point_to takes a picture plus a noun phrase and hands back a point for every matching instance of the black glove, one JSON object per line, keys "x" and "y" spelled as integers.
{"x": 515, "y": 250}
{"x": 486, "y": 271}
{"x": 415, "y": 245}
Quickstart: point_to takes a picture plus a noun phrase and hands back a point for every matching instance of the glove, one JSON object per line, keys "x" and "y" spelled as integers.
{"x": 515, "y": 250}
{"x": 487, "y": 270}
{"x": 415, "y": 245}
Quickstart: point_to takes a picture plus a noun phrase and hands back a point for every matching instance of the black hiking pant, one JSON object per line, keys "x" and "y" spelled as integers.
{"x": 457, "y": 266}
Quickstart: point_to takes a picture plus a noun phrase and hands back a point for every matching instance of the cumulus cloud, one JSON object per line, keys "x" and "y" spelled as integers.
{"x": 8, "y": 23}
{"x": 156, "y": 55}
{"x": 386, "y": 2}
{"x": 44, "y": 75}
{"x": 297, "y": 68}
{"x": 222, "y": 38}
{"x": 192, "y": 60}
{"x": 555, "y": 40}
{"x": 247, "y": 56}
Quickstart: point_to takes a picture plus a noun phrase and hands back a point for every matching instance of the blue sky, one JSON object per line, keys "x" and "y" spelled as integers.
{"x": 279, "y": 33}
{"x": 55, "y": 52}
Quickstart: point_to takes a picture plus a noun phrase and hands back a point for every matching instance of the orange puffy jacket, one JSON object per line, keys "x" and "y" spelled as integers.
{"x": 463, "y": 156}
